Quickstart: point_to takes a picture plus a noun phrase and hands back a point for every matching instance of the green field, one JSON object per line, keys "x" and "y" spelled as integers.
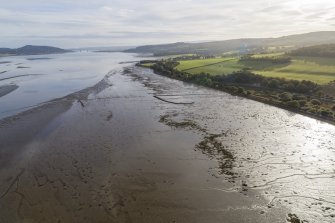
{"x": 303, "y": 70}
{"x": 193, "y": 64}
{"x": 212, "y": 66}
{"x": 177, "y": 55}
{"x": 317, "y": 69}
{"x": 148, "y": 65}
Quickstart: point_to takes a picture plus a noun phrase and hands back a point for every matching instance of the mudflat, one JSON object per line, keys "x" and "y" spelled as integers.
{"x": 115, "y": 153}
{"x": 6, "y": 89}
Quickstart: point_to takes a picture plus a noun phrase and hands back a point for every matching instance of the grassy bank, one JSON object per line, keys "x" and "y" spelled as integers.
{"x": 304, "y": 97}
{"x": 317, "y": 69}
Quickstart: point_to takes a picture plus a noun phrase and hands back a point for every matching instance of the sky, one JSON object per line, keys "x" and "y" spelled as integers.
{"x": 88, "y": 23}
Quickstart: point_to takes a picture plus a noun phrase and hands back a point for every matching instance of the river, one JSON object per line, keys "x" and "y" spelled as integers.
{"x": 115, "y": 153}
{"x": 41, "y": 78}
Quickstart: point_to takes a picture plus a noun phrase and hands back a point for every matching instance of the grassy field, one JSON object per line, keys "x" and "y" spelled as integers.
{"x": 177, "y": 55}
{"x": 192, "y": 64}
{"x": 225, "y": 66}
{"x": 303, "y": 70}
{"x": 319, "y": 70}
{"x": 147, "y": 64}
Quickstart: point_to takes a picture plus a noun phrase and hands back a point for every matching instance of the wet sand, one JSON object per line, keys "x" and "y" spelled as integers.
{"x": 6, "y": 89}
{"x": 114, "y": 153}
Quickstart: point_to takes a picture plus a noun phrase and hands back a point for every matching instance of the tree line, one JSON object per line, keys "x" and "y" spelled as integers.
{"x": 301, "y": 96}
{"x": 244, "y": 77}
{"x": 274, "y": 60}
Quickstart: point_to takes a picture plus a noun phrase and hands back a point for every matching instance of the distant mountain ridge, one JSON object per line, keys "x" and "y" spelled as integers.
{"x": 32, "y": 50}
{"x": 239, "y": 45}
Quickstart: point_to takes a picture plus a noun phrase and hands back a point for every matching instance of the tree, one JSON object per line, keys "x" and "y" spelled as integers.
{"x": 315, "y": 102}
{"x": 293, "y": 104}
{"x": 285, "y": 96}
{"x": 273, "y": 83}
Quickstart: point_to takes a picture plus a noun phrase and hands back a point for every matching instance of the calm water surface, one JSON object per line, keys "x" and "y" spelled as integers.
{"x": 121, "y": 155}
{"x": 44, "y": 77}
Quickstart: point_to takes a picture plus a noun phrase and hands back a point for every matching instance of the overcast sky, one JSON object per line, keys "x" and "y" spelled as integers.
{"x": 77, "y": 23}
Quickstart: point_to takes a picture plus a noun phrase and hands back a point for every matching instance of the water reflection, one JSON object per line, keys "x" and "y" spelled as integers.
{"x": 287, "y": 157}
{"x": 58, "y": 76}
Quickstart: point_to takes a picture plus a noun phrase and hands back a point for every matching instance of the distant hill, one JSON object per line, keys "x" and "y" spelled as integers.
{"x": 326, "y": 50}
{"x": 6, "y": 51}
{"x": 32, "y": 50}
{"x": 240, "y": 46}
{"x": 105, "y": 48}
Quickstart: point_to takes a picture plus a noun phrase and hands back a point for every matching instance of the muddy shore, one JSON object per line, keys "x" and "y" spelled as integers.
{"x": 115, "y": 153}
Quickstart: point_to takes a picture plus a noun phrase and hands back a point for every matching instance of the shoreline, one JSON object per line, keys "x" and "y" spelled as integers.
{"x": 253, "y": 97}
{"x": 45, "y": 149}
{"x": 290, "y": 109}
{"x": 70, "y": 98}
{"x": 147, "y": 160}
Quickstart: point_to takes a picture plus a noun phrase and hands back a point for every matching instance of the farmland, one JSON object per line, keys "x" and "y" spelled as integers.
{"x": 212, "y": 66}
{"x": 317, "y": 69}
{"x": 302, "y": 96}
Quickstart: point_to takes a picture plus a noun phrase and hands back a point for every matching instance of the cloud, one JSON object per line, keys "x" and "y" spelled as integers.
{"x": 129, "y": 22}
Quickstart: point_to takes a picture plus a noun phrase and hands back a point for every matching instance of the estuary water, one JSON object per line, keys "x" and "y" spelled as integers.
{"x": 41, "y": 78}
{"x": 116, "y": 153}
